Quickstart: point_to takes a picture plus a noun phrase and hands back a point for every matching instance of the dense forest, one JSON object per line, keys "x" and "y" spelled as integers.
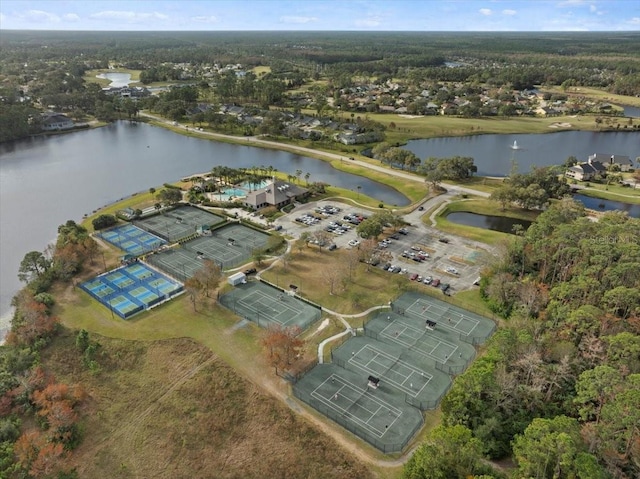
{"x": 558, "y": 387}
{"x": 44, "y": 70}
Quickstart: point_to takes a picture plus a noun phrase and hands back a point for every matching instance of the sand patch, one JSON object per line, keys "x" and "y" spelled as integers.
{"x": 411, "y": 116}
{"x": 560, "y": 125}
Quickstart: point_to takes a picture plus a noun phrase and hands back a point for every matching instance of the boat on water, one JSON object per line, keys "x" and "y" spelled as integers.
{"x": 515, "y": 145}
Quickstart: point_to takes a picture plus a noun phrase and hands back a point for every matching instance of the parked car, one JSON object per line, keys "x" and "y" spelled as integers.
{"x": 413, "y": 276}
{"x": 435, "y": 283}
{"x": 427, "y": 280}
{"x": 354, "y": 243}
{"x": 421, "y": 208}
{"x": 444, "y": 286}
{"x": 386, "y": 266}
{"x": 443, "y": 240}
{"x": 250, "y": 271}
{"x": 452, "y": 270}
{"x": 397, "y": 269}
{"x": 332, "y": 246}
{"x": 403, "y": 231}
{"x": 395, "y": 236}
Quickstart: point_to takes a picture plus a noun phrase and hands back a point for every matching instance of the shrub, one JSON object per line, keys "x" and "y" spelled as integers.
{"x": 103, "y": 221}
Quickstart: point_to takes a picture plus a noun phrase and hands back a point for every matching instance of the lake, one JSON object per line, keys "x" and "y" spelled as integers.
{"x": 117, "y": 79}
{"x": 495, "y": 223}
{"x": 494, "y": 156}
{"x": 46, "y": 181}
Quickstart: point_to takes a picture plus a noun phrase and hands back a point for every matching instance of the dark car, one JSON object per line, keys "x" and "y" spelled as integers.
{"x": 386, "y": 266}
{"x": 444, "y": 287}
{"x": 421, "y": 208}
{"x": 250, "y": 271}
{"x": 332, "y": 247}
{"x": 443, "y": 240}
{"x": 403, "y": 231}
{"x": 435, "y": 283}
{"x": 395, "y": 236}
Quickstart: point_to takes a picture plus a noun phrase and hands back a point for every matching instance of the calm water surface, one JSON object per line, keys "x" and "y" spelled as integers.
{"x": 494, "y": 156}
{"x": 608, "y": 205}
{"x": 46, "y": 181}
{"x": 117, "y": 79}
{"x": 495, "y": 223}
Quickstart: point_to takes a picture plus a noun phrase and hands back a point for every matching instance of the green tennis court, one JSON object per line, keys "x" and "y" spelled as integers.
{"x": 374, "y": 415}
{"x": 267, "y": 305}
{"x": 470, "y": 327}
{"x": 178, "y": 223}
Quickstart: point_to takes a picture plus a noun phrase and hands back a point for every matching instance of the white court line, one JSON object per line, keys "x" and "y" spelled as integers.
{"x": 267, "y": 301}
{"x": 365, "y": 424}
{"x": 367, "y": 369}
{"x": 418, "y": 344}
{"x": 422, "y": 307}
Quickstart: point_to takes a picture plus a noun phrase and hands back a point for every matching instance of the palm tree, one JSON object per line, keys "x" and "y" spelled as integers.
{"x": 306, "y": 177}
{"x": 298, "y": 175}
{"x": 359, "y": 188}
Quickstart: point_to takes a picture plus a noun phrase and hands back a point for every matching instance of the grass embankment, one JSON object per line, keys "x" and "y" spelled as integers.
{"x": 484, "y": 207}
{"x": 596, "y": 94}
{"x": 443, "y": 126}
{"x": 173, "y": 409}
{"x": 612, "y": 192}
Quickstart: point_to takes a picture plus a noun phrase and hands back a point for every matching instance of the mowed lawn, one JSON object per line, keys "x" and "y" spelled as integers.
{"x": 172, "y": 409}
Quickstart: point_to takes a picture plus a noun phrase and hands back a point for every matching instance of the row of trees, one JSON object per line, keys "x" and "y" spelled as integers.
{"x": 531, "y": 190}
{"x": 39, "y": 415}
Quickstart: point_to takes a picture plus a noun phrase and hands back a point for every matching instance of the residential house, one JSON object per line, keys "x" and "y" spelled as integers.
{"x": 623, "y": 162}
{"x": 56, "y": 122}
{"x": 587, "y": 171}
{"x": 275, "y": 194}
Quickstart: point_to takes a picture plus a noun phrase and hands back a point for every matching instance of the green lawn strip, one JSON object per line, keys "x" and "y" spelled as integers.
{"x": 443, "y": 126}
{"x": 175, "y": 319}
{"x": 594, "y": 93}
{"x": 614, "y": 193}
{"x": 480, "y": 183}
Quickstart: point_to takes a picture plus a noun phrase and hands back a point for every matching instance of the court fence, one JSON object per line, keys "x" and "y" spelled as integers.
{"x": 294, "y": 377}
{"x": 451, "y": 370}
{"x": 296, "y": 295}
{"x": 350, "y": 426}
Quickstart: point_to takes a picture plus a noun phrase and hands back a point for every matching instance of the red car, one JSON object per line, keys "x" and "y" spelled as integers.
{"x": 413, "y": 276}
{"x": 435, "y": 283}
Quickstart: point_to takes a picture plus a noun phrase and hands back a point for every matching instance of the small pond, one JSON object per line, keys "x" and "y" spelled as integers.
{"x": 608, "y": 205}
{"x": 496, "y": 223}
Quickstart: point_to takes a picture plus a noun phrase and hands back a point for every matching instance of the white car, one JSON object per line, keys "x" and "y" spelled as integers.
{"x": 354, "y": 243}
{"x": 451, "y": 270}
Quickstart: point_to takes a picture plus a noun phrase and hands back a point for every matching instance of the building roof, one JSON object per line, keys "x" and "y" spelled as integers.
{"x": 275, "y": 193}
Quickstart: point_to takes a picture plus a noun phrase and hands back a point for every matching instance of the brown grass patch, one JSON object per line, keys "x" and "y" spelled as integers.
{"x": 173, "y": 409}
{"x": 459, "y": 260}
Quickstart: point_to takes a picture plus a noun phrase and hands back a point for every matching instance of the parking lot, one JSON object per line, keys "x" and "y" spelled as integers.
{"x": 449, "y": 259}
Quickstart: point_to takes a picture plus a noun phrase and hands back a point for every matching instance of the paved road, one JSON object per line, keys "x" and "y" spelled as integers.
{"x": 254, "y": 140}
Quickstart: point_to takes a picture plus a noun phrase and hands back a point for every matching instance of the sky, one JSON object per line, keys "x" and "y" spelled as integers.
{"x": 307, "y": 15}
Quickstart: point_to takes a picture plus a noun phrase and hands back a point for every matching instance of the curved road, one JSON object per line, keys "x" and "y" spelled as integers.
{"x": 255, "y": 140}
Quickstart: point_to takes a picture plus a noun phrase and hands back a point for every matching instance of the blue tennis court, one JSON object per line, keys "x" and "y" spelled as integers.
{"x": 132, "y": 239}
{"x": 131, "y": 289}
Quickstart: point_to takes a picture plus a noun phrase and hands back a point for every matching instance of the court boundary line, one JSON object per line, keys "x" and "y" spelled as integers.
{"x": 427, "y": 306}
{"x": 379, "y": 352}
{"x": 352, "y": 417}
{"x": 413, "y": 347}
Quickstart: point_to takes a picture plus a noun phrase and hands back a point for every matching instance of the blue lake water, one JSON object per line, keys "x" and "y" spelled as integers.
{"x": 494, "y": 156}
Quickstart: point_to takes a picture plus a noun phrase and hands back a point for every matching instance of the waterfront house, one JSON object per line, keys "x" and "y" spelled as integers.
{"x": 623, "y": 162}
{"x": 52, "y": 121}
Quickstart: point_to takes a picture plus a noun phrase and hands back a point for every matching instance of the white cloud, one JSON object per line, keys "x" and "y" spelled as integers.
{"x": 634, "y": 21}
{"x": 40, "y": 16}
{"x": 485, "y": 11}
{"x": 509, "y": 12}
{"x": 570, "y": 3}
{"x": 205, "y": 19}
{"x": 297, "y": 20}
{"x": 71, "y": 17}
{"x": 593, "y": 8}
{"x": 128, "y": 16}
